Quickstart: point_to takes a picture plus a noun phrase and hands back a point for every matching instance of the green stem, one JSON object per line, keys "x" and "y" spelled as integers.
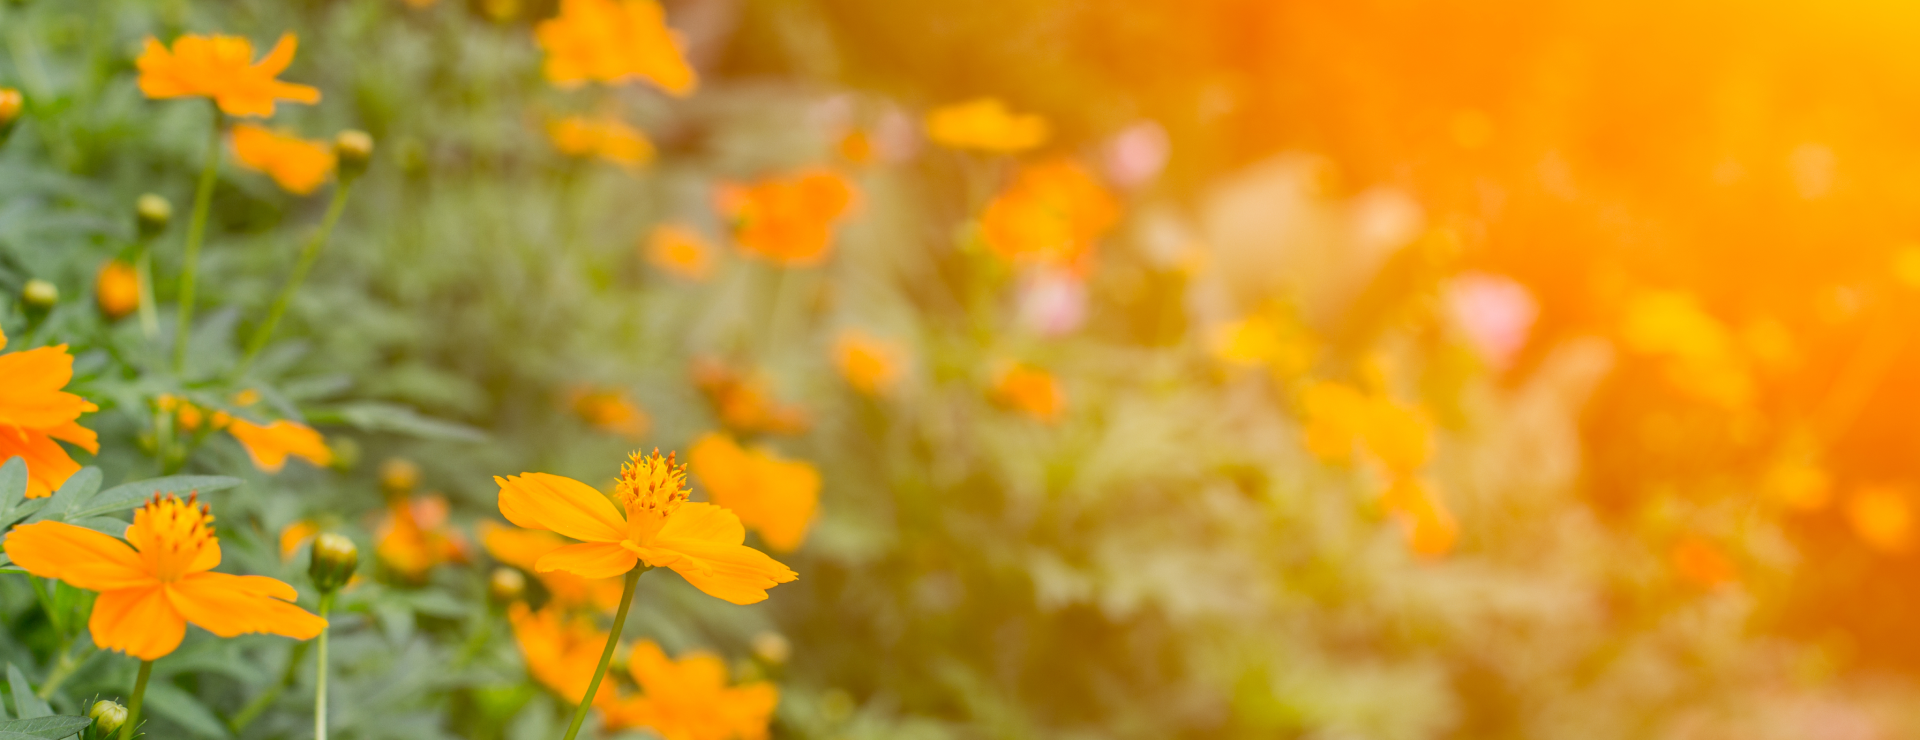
{"x": 196, "y": 231}
{"x": 320, "y": 674}
{"x": 143, "y": 264}
{"x": 133, "y": 705}
{"x": 62, "y": 670}
{"x": 308, "y": 254}
{"x": 252, "y": 710}
{"x": 606, "y": 656}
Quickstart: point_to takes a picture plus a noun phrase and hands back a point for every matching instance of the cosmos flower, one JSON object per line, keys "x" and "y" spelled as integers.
{"x": 614, "y": 41}
{"x": 298, "y": 165}
{"x": 562, "y": 651}
{"x": 523, "y": 548}
{"x": 790, "y": 219}
{"x": 35, "y": 411}
{"x": 612, "y": 411}
{"x": 414, "y": 536}
{"x": 270, "y": 445}
{"x": 1029, "y": 390}
{"x": 606, "y": 137}
{"x": 688, "y": 698}
{"x": 743, "y": 401}
{"x": 985, "y": 124}
{"x": 1052, "y": 215}
{"x": 775, "y": 497}
{"x": 678, "y": 250}
{"x": 1430, "y": 528}
{"x": 222, "y": 68}
{"x": 116, "y": 288}
{"x": 870, "y": 364}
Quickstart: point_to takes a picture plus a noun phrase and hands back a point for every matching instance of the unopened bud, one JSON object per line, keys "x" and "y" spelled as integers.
{"x": 10, "y": 104}
{"x": 771, "y": 647}
{"x": 39, "y": 295}
{"x": 107, "y": 716}
{"x": 346, "y": 452}
{"x": 334, "y": 558}
{"x": 398, "y": 476}
{"x": 152, "y": 213}
{"x": 354, "y": 150}
{"x": 506, "y": 585}
{"x": 116, "y": 288}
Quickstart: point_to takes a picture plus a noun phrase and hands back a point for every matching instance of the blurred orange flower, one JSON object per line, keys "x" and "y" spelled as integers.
{"x": 743, "y": 401}
{"x": 613, "y": 41}
{"x": 855, "y": 146}
{"x": 116, "y": 288}
{"x": 562, "y": 652}
{"x": 270, "y": 445}
{"x": 151, "y": 590}
{"x": 296, "y": 534}
{"x": 1029, "y": 390}
{"x": 1266, "y": 339}
{"x": 606, "y": 137}
{"x": 787, "y": 219}
{"x": 222, "y": 68}
{"x": 1882, "y": 517}
{"x": 1052, "y": 215}
{"x": 1701, "y": 563}
{"x": 35, "y": 411}
{"x": 985, "y": 124}
{"x": 10, "y": 104}
{"x": 659, "y": 527}
{"x": 870, "y": 364}
{"x": 776, "y": 497}
{"x": 1398, "y": 434}
{"x": 1333, "y": 417}
{"x": 688, "y": 698}
{"x": 298, "y": 165}
{"x": 523, "y": 548}
{"x": 1430, "y": 528}
{"x": 680, "y": 251}
{"x": 1703, "y": 359}
{"x": 612, "y": 411}
{"x": 414, "y": 536}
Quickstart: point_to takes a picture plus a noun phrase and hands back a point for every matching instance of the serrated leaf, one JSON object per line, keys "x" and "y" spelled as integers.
{"x": 373, "y": 416}
{"x": 74, "y": 494}
{"x": 10, "y": 735}
{"x": 128, "y": 495}
{"x": 171, "y": 702}
{"x": 53, "y": 727}
{"x": 25, "y": 703}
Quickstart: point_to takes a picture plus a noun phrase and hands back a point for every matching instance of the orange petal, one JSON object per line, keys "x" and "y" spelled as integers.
{"x": 589, "y": 560}
{"x": 80, "y": 556}
{"x": 560, "y": 504}
{"x": 30, "y": 388}
{"x": 48, "y": 465}
{"x": 701, "y": 542}
{"x": 140, "y": 622}
{"x": 276, "y": 61}
{"x": 229, "y": 605}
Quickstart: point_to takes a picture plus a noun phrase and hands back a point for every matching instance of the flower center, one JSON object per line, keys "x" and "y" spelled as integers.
{"x": 171, "y": 534}
{"x": 651, "y": 487}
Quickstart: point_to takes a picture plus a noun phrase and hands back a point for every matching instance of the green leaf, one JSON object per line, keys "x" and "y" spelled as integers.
{"x": 11, "y": 735}
{"x": 13, "y": 490}
{"x": 25, "y": 703}
{"x": 374, "y": 416}
{"x": 72, "y": 495}
{"x": 129, "y": 495}
{"x": 53, "y": 727}
{"x": 175, "y": 704}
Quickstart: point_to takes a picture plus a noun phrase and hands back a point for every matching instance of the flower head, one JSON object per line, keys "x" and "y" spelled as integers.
{"x": 790, "y": 219}
{"x": 612, "y": 411}
{"x": 10, "y": 104}
{"x": 414, "y": 537}
{"x": 562, "y": 652}
{"x": 1702, "y": 563}
{"x": 270, "y": 445}
{"x": 1052, "y": 215}
{"x": 870, "y": 364}
{"x": 689, "y": 699}
{"x": 523, "y": 548}
{"x": 605, "y": 137}
{"x": 1270, "y": 339}
{"x": 653, "y": 524}
{"x": 298, "y": 165}
{"x": 776, "y": 497}
{"x": 614, "y": 41}
{"x": 222, "y": 68}
{"x": 35, "y": 411}
{"x": 159, "y": 579}
{"x": 116, "y": 288}
{"x": 985, "y": 124}
{"x": 1031, "y": 391}
{"x": 743, "y": 401}
{"x": 680, "y": 251}
{"x": 1429, "y": 527}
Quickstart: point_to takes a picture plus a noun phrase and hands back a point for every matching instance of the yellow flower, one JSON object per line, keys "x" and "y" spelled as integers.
{"x": 10, "y": 104}
{"x": 158, "y": 580}
{"x": 270, "y": 445}
{"x": 606, "y": 137}
{"x": 562, "y": 652}
{"x": 613, "y": 41}
{"x": 1052, "y": 216}
{"x": 116, "y": 288}
{"x": 611, "y": 411}
{"x": 678, "y": 250}
{"x": 1702, "y": 354}
{"x": 870, "y": 364}
{"x": 743, "y": 402}
{"x": 1882, "y": 517}
{"x": 774, "y": 496}
{"x": 1031, "y": 391}
{"x": 523, "y": 548}
{"x": 789, "y": 219}
{"x": 414, "y": 537}
{"x": 987, "y": 125}
{"x": 658, "y": 527}
{"x": 1334, "y": 414}
{"x": 1429, "y": 527}
{"x": 298, "y": 165}
{"x": 222, "y": 68}
{"x": 35, "y": 411}
{"x": 689, "y": 699}
{"x": 1267, "y": 340}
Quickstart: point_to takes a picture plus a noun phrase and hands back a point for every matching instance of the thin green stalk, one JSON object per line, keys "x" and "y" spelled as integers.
{"x": 133, "y": 704}
{"x": 62, "y": 670}
{"x": 606, "y": 656}
{"x": 143, "y": 264}
{"x": 308, "y": 254}
{"x": 252, "y": 710}
{"x": 320, "y": 673}
{"x": 196, "y": 231}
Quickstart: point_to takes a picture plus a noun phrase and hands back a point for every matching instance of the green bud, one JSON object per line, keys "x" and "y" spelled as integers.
{"x": 354, "y": 150}
{"x": 152, "y": 213}
{"x": 346, "y": 452}
{"x": 107, "y": 717}
{"x": 334, "y": 558}
{"x": 506, "y": 585}
{"x": 40, "y": 296}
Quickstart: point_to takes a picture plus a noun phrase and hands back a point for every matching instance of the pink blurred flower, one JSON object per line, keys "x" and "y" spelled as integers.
{"x": 1052, "y": 302}
{"x": 1494, "y": 311}
{"x": 1136, "y": 155}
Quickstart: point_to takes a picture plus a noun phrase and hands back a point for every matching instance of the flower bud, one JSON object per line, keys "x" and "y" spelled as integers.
{"x": 10, "y": 104}
{"x": 354, "y": 150}
{"x": 772, "y": 648}
{"x": 152, "y": 213}
{"x": 334, "y": 558}
{"x": 116, "y": 289}
{"x": 506, "y": 585}
{"x": 346, "y": 452}
{"x": 398, "y": 476}
{"x": 39, "y": 295}
{"x": 107, "y": 716}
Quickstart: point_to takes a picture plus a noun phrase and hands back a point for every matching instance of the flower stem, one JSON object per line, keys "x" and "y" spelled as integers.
{"x": 606, "y": 656}
{"x": 196, "y": 231}
{"x": 149, "y": 321}
{"x": 252, "y": 710}
{"x": 133, "y": 704}
{"x": 308, "y": 254}
{"x": 320, "y": 673}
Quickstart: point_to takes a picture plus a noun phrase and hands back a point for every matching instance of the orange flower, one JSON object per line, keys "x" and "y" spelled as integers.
{"x": 870, "y": 364}
{"x": 611, "y": 411}
{"x": 221, "y": 68}
{"x": 1270, "y": 339}
{"x": 294, "y": 535}
{"x": 788, "y": 220}
{"x": 1882, "y": 517}
{"x": 523, "y": 548}
{"x": 298, "y": 165}
{"x": 1051, "y": 216}
{"x": 607, "y": 137}
{"x": 678, "y": 250}
{"x": 1430, "y": 528}
{"x": 987, "y": 125}
{"x": 270, "y": 445}
{"x": 743, "y": 402}
{"x": 35, "y": 411}
{"x": 10, "y": 104}
{"x": 659, "y": 527}
{"x": 688, "y": 699}
{"x": 414, "y": 537}
{"x": 1701, "y": 563}
{"x": 774, "y": 496}
{"x": 562, "y": 653}
{"x": 1030, "y": 390}
{"x": 612, "y": 42}
{"x": 151, "y": 590}
{"x": 1335, "y": 415}
{"x": 856, "y": 147}
{"x": 117, "y": 289}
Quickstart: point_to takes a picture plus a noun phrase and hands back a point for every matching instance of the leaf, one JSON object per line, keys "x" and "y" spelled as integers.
{"x": 21, "y": 511}
{"x": 25, "y": 703}
{"x": 13, "y": 488}
{"x": 11, "y": 735}
{"x": 374, "y": 416}
{"x": 171, "y": 702}
{"x": 129, "y": 495}
{"x": 52, "y": 727}
{"x": 72, "y": 495}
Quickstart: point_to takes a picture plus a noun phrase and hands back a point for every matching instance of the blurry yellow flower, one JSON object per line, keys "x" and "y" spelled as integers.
{"x": 414, "y": 537}
{"x": 1906, "y": 265}
{"x": 1398, "y": 434}
{"x": 689, "y": 699}
{"x": 612, "y": 411}
{"x": 1702, "y": 355}
{"x": 680, "y": 251}
{"x": 1701, "y": 563}
{"x": 222, "y": 68}
{"x": 35, "y": 410}
{"x": 294, "y": 535}
{"x": 1882, "y": 517}
{"x": 116, "y": 288}
{"x": 245, "y": 397}
{"x": 1029, "y": 390}
{"x": 398, "y": 476}
{"x": 270, "y": 445}
{"x": 788, "y": 219}
{"x": 562, "y": 652}
{"x": 10, "y": 105}
{"x": 1797, "y": 482}
{"x": 613, "y": 41}
{"x": 1266, "y": 340}
{"x": 985, "y": 124}
{"x": 523, "y": 548}
{"x": 605, "y": 137}
{"x": 1333, "y": 417}
{"x": 298, "y": 165}
{"x": 1430, "y": 528}
{"x": 1052, "y": 215}
{"x": 773, "y": 496}
{"x": 190, "y": 416}
{"x": 855, "y": 147}
{"x": 870, "y": 364}
{"x": 743, "y": 402}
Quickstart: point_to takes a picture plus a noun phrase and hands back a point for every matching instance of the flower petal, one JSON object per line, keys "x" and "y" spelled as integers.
{"x": 279, "y": 57}
{"x": 560, "y": 504}
{"x": 701, "y": 542}
{"x": 589, "y": 560}
{"x": 229, "y": 605}
{"x": 80, "y": 556}
{"x": 140, "y": 622}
